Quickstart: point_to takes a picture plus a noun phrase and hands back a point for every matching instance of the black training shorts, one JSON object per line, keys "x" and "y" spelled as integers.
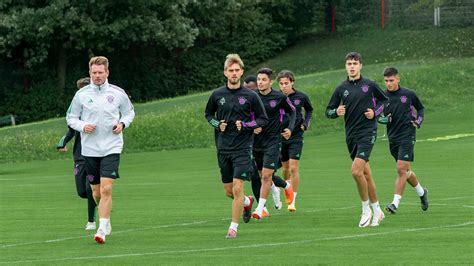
{"x": 361, "y": 146}
{"x": 97, "y": 167}
{"x": 235, "y": 165}
{"x": 403, "y": 152}
{"x": 291, "y": 149}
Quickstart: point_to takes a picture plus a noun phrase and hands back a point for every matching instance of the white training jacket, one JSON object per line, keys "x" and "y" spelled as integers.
{"x": 104, "y": 106}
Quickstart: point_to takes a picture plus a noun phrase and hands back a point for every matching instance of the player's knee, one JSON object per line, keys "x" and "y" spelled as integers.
{"x": 357, "y": 173}
{"x": 267, "y": 178}
{"x": 403, "y": 172}
{"x": 236, "y": 190}
{"x": 293, "y": 170}
{"x": 105, "y": 191}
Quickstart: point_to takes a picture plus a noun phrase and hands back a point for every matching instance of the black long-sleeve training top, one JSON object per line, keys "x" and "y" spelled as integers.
{"x": 276, "y": 104}
{"x": 71, "y": 133}
{"x": 231, "y": 105}
{"x": 300, "y": 101}
{"x": 357, "y": 96}
{"x": 404, "y": 107}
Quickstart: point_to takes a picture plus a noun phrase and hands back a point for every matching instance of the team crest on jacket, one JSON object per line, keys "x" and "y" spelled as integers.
{"x": 403, "y": 99}
{"x": 110, "y": 98}
{"x": 346, "y": 93}
{"x": 365, "y": 88}
{"x": 242, "y": 100}
{"x": 297, "y": 102}
{"x": 273, "y": 103}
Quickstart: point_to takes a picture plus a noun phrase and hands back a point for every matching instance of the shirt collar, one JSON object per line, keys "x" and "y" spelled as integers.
{"x": 101, "y": 87}
{"x": 355, "y": 81}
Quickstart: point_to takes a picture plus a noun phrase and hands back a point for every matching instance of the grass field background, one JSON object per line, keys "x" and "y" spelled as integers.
{"x": 170, "y": 208}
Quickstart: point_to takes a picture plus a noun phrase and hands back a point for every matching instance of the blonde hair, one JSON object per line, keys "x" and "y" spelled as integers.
{"x": 99, "y": 60}
{"x": 233, "y": 59}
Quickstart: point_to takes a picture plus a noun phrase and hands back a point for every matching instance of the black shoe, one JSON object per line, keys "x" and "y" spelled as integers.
{"x": 424, "y": 200}
{"x": 247, "y": 214}
{"x": 391, "y": 208}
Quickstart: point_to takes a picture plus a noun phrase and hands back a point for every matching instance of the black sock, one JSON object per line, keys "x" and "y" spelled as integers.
{"x": 90, "y": 204}
{"x": 256, "y": 184}
{"x": 278, "y": 181}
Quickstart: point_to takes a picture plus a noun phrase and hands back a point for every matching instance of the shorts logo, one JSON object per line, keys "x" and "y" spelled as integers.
{"x": 222, "y": 101}
{"x": 90, "y": 178}
{"x": 110, "y": 99}
{"x": 406, "y": 156}
{"x": 346, "y": 93}
{"x": 273, "y": 103}
{"x": 297, "y": 102}
{"x": 403, "y": 99}
{"x": 365, "y": 88}
{"x": 362, "y": 154}
{"x": 242, "y": 100}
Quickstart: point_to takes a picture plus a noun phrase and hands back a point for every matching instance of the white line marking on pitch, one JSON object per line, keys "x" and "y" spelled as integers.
{"x": 449, "y": 137}
{"x": 299, "y": 242}
{"x": 192, "y": 223}
{"x": 115, "y": 233}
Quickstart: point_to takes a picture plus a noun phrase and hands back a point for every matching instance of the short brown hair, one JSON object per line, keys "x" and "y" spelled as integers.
{"x": 267, "y": 71}
{"x": 99, "y": 60}
{"x": 354, "y": 56}
{"x": 233, "y": 59}
{"x": 286, "y": 74}
{"x": 390, "y": 72}
{"x": 83, "y": 82}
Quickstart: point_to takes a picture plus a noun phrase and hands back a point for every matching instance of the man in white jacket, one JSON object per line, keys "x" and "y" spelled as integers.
{"x": 100, "y": 111}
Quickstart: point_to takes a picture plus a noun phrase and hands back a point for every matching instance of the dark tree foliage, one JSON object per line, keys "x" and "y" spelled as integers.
{"x": 156, "y": 48}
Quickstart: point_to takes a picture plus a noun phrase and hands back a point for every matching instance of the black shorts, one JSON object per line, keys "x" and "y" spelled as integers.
{"x": 361, "y": 147}
{"x": 291, "y": 149}
{"x": 97, "y": 167}
{"x": 268, "y": 158}
{"x": 403, "y": 152}
{"x": 237, "y": 165}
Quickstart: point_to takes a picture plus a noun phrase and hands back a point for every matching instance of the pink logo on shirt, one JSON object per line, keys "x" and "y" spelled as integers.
{"x": 365, "y": 88}
{"x": 297, "y": 102}
{"x": 403, "y": 99}
{"x": 273, "y": 103}
{"x": 242, "y": 100}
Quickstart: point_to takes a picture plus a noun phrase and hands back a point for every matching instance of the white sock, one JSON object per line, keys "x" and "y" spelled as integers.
{"x": 234, "y": 226}
{"x": 365, "y": 206}
{"x": 419, "y": 190}
{"x": 103, "y": 222}
{"x": 261, "y": 204}
{"x": 246, "y": 201}
{"x": 294, "y": 197}
{"x": 274, "y": 189}
{"x": 396, "y": 199}
{"x": 287, "y": 185}
{"x": 375, "y": 206}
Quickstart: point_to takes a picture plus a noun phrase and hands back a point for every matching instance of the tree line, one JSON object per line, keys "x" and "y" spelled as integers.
{"x": 156, "y": 48}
